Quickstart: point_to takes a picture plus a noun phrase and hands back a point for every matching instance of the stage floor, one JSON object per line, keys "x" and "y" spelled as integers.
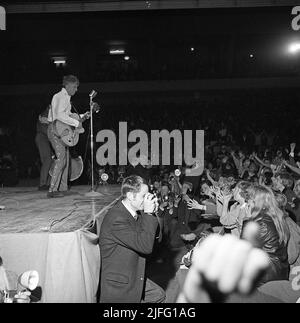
{"x": 30, "y": 211}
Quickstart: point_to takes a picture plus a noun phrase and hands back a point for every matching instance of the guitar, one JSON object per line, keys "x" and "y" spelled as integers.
{"x": 69, "y": 134}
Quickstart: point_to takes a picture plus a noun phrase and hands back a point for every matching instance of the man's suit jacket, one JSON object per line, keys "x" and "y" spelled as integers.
{"x": 124, "y": 242}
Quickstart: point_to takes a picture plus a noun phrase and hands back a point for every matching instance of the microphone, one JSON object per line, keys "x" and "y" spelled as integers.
{"x": 93, "y": 94}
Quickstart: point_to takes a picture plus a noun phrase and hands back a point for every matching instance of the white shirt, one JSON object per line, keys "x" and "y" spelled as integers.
{"x": 61, "y": 108}
{"x": 129, "y": 209}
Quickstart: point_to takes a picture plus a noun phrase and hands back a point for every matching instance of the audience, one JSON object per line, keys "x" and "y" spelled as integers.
{"x": 267, "y": 197}
{"x": 251, "y": 174}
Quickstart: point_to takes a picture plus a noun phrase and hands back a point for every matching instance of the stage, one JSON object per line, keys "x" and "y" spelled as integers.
{"x": 28, "y": 210}
{"x": 58, "y": 237}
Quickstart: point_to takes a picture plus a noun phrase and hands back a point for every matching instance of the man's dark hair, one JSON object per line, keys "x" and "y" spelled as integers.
{"x": 156, "y": 178}
{"x": 132, "y": 184}
{"x": 165, "y": 183}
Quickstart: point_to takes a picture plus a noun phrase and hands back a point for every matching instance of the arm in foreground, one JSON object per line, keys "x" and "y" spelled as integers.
{"x": 222, "y": 265}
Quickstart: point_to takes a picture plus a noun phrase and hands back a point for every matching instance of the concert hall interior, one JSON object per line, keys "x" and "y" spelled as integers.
{"x": 139, "y": 141}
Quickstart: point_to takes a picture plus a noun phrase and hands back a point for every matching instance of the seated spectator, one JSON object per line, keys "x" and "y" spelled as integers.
{"x": 157, "y": 184}
{"x": 283, "y": 182}
{"x": 274, "y": 232}
{"x": 233, "y": 217}
{"x": 297, "y": 188}
{"x": 205, "y": 191}
{"x": 174, "y": 181}
{"x": 185, "y": 220}
{"x": 166, "y": 202}
{"x": 227, "y": 168}
{"x": 250, "y": 175}
{"x": 293, "y": 247}
{"x": 265, "y": 177}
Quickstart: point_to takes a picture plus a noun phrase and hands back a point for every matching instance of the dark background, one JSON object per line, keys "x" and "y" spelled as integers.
{"x": 164, "y": 84}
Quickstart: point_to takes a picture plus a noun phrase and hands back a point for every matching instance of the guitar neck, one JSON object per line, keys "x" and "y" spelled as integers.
{"x": 85, "y": 117}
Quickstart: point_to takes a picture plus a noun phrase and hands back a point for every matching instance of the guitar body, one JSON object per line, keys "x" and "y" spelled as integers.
{"x": 69, "y": 134}
{"x": 76, "y": 168}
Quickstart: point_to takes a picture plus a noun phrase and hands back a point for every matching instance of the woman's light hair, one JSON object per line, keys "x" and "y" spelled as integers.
{"x": 70, "y": 79}
{"x": 265, "y": 202}
{"x": 297, "y": 188}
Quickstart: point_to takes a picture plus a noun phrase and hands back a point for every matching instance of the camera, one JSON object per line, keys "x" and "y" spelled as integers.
{"x": 165, "y": 198}
{"x": 153, "y": 190}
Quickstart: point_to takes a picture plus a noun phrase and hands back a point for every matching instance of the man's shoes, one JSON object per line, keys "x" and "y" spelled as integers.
{"x": 43, "y": 188}
{"x": 55, "y": 194}
{"x": 67, "y": 193}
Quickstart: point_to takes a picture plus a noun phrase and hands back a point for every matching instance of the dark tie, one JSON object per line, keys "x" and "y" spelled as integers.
{"x": 136, "y": 215}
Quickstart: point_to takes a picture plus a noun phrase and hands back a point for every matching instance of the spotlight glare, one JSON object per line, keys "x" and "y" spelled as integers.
{"x": 59, "y": 60}
{"x": 294, "y": 48}
{"x": 116, "y": 51}
{"x": 126, "y": 58}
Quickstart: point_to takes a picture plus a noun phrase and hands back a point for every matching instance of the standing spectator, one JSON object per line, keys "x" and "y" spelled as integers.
{"x": 44, "y": 146}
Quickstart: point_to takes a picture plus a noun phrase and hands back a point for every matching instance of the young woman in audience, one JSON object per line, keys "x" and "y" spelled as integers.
{"x": 293, "y": 247}
{"x": 297, "y": 188}
{"x": 274, "y": 231}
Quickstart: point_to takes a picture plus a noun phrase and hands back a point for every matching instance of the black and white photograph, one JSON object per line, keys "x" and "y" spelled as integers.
{"x": 149, "y": 154}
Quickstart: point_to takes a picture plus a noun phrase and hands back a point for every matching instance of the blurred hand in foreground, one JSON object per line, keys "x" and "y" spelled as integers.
{"x": 222, "y": 265}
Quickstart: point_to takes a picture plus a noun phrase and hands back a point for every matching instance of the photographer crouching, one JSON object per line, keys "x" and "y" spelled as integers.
{"x": 127, "y": 235}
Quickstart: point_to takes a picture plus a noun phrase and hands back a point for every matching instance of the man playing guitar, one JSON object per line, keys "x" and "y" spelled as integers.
{"x": 61, "y": 110}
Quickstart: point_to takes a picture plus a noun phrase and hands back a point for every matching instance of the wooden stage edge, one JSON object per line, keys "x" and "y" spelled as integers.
{"x": 28, "y": 210}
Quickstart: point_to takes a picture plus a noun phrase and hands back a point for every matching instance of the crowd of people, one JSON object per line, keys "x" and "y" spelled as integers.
{"x": 238, "y": 186}
{"x": 239, "y": 126}
{"x": 251, "y": 174}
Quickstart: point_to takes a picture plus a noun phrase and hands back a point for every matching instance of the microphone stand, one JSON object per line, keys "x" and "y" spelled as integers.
{"x": 92, "y": 193}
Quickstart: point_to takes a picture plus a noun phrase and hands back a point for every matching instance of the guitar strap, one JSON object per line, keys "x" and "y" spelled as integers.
{"x": 73, "y": 106}
{"x": 53, "y": 121}
{"x": 54, "y": 124}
